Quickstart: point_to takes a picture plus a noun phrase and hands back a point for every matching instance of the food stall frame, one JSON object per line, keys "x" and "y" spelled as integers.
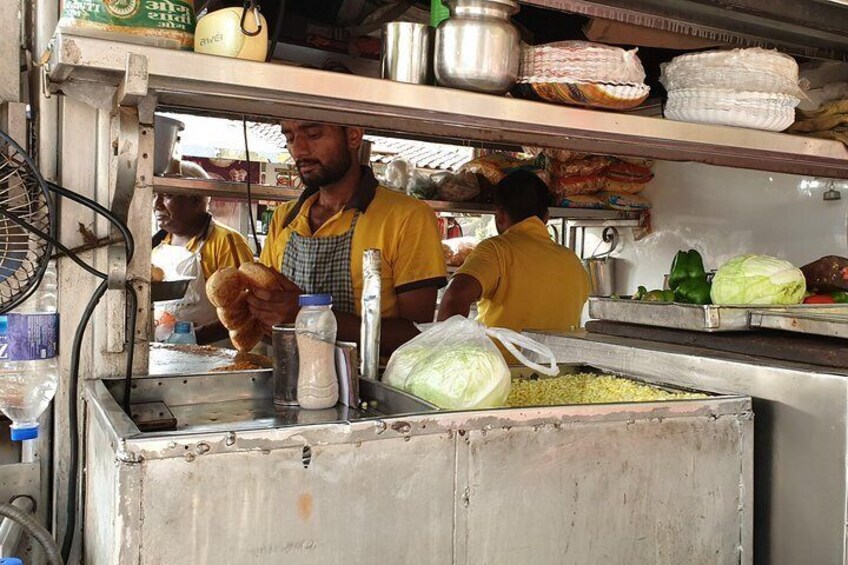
{"x": 96, "y": 109}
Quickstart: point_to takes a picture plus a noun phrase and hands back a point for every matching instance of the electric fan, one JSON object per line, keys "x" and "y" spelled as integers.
{"x": 27, "y": 224}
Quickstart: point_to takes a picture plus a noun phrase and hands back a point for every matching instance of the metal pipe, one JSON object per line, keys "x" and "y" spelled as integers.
{"x": 371, "y": 313}
{"x": 11, "y": 531}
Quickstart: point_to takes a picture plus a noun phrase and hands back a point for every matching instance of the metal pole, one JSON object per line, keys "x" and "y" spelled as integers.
{"x": 371, "y": 312}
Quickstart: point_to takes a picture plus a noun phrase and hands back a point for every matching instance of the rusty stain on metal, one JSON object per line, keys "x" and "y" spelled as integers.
{"x": 402, "y": 427}
{"x": 304, "y": 506}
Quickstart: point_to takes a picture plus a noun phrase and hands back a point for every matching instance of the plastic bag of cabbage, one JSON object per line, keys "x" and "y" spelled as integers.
{"x": 758, "y": 280}
{"x": 455, "y": 365}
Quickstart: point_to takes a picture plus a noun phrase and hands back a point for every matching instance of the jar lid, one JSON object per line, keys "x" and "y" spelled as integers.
{"x": 316, "y": 300}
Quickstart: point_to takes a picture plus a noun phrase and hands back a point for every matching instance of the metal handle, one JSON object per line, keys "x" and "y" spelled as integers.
{"x": 254, "y": 7}
{"x": 610, "y": 236}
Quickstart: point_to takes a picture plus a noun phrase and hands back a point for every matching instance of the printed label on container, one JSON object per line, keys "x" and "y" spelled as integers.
{"x": 172, "y": 21}
{"x": 29, "y": 337}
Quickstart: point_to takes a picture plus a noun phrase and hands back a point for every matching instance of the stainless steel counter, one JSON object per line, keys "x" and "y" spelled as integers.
{"x": 801, "y": 414}
{"x": 662, "y": 482}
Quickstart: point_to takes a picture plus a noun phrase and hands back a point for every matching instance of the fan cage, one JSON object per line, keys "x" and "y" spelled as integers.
{"x": 24, "y": 254}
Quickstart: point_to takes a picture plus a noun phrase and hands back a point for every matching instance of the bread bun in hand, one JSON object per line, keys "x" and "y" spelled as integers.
{"x": 226, "y": 287}
{"x": 234, "y": 317}
{"x": 156, "y": 274}
{"x": 258, "y": 275}
{"x": 245, "y": 338}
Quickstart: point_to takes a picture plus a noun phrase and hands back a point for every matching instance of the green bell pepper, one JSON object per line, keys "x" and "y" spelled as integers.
{"x": 840, "y": 297}
{"x": 687, "y": 265}
{"x": 694, "y": 291}
{"x": 640, "y": 293}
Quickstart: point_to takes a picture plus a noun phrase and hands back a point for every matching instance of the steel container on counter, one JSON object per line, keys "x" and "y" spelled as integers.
{"x": 478, "y": 48}
{"x": 800, "y": 436}
{"x": 286, "y": 365}
{"x": 638, "y": 482}
{"x": 407, "y": 53}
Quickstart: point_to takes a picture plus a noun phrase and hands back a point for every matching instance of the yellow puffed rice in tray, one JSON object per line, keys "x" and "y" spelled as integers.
{"x": 587, "y": 388}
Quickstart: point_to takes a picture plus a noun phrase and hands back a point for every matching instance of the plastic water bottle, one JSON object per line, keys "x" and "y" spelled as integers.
{"x": 183, "y": 334}
{"x": 29, "y": 369}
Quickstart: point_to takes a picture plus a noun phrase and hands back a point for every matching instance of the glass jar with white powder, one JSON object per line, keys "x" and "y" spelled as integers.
{"x": 315, "y": 328}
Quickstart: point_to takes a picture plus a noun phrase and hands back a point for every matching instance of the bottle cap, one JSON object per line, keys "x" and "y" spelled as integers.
{"x": 182, "y": 328}
{"x": 21, "y": 434}
{"x": 11, "y": 561}
{"x": 315, "y": 300}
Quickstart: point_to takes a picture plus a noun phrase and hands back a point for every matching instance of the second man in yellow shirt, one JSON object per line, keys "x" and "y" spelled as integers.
{"x": 521, "y": 278}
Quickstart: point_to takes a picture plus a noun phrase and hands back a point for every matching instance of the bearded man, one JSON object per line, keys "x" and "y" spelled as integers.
{"x": 317, "y": 242}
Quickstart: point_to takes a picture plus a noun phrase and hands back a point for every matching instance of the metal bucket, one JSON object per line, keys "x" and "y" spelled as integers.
{"x": 601, "y": 267}
{"x": 601, "y": 275}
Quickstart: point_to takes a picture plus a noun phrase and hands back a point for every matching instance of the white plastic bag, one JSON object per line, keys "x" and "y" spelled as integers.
{"x": 456, "y": 366}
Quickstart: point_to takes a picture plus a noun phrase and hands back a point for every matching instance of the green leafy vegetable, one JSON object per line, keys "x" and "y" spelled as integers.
{"x": 455, "y": 377}
{"x": 759, "y": 280}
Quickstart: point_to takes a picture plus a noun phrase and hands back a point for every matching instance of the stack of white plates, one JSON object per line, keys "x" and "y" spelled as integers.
{"x": 754, "y": 88}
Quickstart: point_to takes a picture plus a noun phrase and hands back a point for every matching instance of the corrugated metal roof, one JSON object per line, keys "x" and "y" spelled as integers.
{"x": 421, "y": 154}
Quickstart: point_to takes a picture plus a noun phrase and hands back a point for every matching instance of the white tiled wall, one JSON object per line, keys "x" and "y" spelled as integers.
{"x": 727, "y": 212}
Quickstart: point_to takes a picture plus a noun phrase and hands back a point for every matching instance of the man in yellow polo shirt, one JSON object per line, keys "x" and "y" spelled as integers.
{"x": 521, "y": 278}
{"x": 192, "y": 244}
{"x": 318, "y": 241}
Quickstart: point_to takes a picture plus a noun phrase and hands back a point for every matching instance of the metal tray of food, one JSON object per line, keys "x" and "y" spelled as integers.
{"x": 830, "y": 321}
{"x": 710, "y": 318}
{"x": 162, "y": 291}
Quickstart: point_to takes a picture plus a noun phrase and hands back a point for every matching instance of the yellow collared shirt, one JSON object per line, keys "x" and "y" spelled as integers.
{"x": 404, "y": 229}
{"x": 529, "y": 281}
{"x": 215, "y": 253}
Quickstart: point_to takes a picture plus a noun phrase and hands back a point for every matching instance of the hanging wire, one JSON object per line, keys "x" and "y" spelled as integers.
{"x": 249, "y": 194}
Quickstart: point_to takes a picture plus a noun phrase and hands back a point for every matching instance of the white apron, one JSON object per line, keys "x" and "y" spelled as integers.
{"x": 178, "y": 262}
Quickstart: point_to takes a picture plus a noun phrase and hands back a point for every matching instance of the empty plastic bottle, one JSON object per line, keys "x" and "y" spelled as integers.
{"x": 29, "y": 369}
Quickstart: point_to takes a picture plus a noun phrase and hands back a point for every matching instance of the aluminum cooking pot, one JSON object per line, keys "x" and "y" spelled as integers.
{"x": 478, "y": 48}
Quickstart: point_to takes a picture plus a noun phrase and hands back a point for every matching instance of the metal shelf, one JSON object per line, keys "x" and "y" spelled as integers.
{"x": 223, "y": 189}
{"x": 83, "y": 66}
{"x": 238, "y": 191}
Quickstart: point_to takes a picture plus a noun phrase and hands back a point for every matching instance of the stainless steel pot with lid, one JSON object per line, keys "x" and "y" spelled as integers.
{"x": 478, "y": 48}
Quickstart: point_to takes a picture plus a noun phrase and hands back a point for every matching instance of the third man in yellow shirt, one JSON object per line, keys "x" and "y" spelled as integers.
{"x": 522, "y": 279}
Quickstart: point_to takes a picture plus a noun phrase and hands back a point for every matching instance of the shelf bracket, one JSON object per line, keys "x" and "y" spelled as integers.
{"x": 133, "y": 87}
{"x": 131, "y": 163}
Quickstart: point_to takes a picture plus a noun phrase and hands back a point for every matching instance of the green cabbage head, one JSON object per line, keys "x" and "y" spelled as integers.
{"x": 758, "y": 280}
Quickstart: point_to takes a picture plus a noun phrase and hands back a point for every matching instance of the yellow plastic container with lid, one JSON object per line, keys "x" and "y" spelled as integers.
{"x": 233, "y": 32}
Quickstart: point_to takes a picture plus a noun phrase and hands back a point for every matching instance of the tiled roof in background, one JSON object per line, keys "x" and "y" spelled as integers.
{"x": 421, "y": 154}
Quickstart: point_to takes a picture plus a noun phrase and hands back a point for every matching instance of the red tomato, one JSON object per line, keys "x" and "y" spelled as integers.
{"x": 819, "y": 299}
